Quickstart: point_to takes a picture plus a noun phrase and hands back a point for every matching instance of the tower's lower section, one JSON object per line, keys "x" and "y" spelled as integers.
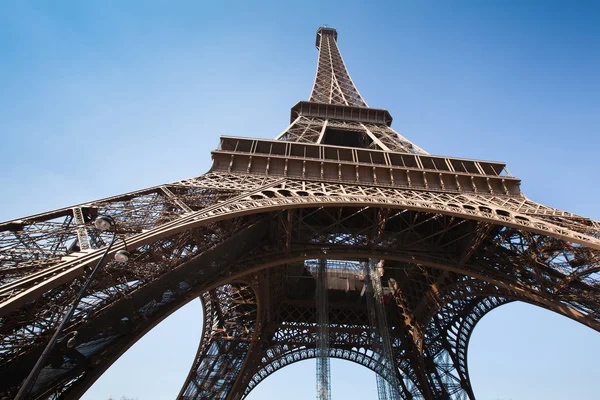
{"x": 229, "y": 364}
{"x": 246, "y": 244}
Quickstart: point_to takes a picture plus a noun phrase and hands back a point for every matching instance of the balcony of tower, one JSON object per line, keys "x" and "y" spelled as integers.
{"x": 324, "y": 30}
{"x": 340, "y": 112}
{"x": 350, "y": 165}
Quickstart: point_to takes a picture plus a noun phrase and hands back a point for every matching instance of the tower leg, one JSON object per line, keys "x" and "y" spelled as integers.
{"x": 230, "y": 319}
{"x": 323, "y": 370}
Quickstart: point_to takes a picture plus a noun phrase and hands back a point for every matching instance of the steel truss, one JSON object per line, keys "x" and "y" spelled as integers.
{"x": 458, "y": 239}
{"x": 376, "y": 299}
{"x": 230, "y": 313}
{"x": 322, "y": 304}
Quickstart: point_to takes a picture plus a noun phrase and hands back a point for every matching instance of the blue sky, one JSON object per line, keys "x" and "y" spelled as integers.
{"x": 99, "y": 98}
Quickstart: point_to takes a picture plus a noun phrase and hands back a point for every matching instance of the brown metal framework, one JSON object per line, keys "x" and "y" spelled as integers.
{"x": 458, "y": 239}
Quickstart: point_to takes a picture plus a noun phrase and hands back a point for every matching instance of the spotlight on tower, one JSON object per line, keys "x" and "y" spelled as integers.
{"x": 104, "y": 223}
{"x": 72, "y": 341}
{"x": 122, "y": 256}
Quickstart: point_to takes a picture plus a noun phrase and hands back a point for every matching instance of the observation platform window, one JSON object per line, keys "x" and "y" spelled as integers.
{"x": 377, "y": 158}
{"x": 438, "y": 164}
{"x": 271, "y": 148}
{"x": 313, "y": 152}
{"x": 403, "y": 160}
{"x": 331, "y": 153}
{"x": 491, "y": 169}
{"x": 263, "y": 148}
{"x": 346, "y": 138}
{"x": 345, "y": 154}
{"x": 308, "y": 151}
{"x": 427, "y": 163}
{"x": 239, "y": 145}
{"x": 298, "y": 150}
{"x": 465, "y": 166}
{"x": 364, "y": 157}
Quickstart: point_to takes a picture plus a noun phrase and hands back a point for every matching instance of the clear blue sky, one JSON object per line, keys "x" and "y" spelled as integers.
{"x": 99, "y": 98}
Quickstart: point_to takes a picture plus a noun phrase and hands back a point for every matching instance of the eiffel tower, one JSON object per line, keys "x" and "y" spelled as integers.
{"x": 338, "y": 239}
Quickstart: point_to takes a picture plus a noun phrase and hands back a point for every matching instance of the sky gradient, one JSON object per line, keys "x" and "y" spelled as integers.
{"x": 99, "y": 98}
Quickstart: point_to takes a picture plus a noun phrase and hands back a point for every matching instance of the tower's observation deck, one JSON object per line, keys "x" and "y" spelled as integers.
{"x": 325, "y": 31}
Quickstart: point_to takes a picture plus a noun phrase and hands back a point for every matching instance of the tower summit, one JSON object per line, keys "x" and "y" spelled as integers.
{"x": 322, "y": 31}
{"x": 333, "y": 84}
{"x": 336, "y": 114}
{"x": 404, "y": 251}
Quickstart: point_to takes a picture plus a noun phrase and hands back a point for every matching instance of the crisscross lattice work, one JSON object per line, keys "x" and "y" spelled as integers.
{"x": 323, "y": 365}
{"x": 247, "y": 240}
{"x": 378, "y": 136}
{"x": 333, "y": 84}
{"x": 230, "y": 316}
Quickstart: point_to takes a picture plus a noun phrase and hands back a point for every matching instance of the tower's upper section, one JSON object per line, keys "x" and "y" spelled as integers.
{"x": 336, "y": 137}
{"x": 336, "y": 114}
{"x": 327, "y": 31}
{"x": 333, "y": 84}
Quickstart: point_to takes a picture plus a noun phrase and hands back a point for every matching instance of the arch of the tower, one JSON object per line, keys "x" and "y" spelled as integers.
{"x": 443, "y": 253}
{"x": 278, "y": 195}
{"x": 446, "y": 339}
{"x": 287, "y": 343}
{"x": 275, "y": 347}
{"x": 456, "y": 379}
{"x": 231, "y": 316}
{"x": 362, "y": 357}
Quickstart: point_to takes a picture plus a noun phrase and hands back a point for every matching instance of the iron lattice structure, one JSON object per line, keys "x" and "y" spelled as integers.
{"x": 458, "y": 237}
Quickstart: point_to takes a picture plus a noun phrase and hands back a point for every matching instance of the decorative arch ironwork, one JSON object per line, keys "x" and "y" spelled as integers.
{"x": 555, "y": 273}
